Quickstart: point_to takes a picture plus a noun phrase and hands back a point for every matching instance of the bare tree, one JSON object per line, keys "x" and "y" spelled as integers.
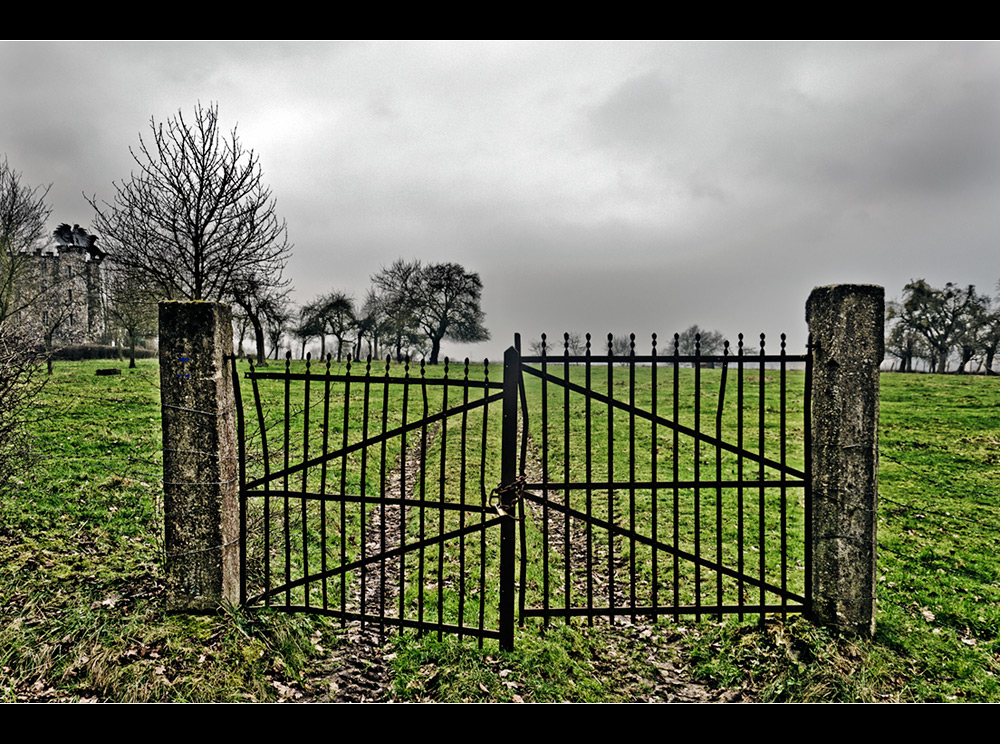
{"x": 309, "y": 327}
{"x": 262, "y": 301}
{"x": 396, "y": 292}
{"x": 707, "y": 342}
{"x": 196, "y": 220}
{"x": 277, "y": 315}
{"x": 370, "y": 324}
{"x": 23, "y": 214}
{"x": 570, "y": 341}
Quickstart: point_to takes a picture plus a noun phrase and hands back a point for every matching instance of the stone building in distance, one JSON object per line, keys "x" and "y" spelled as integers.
{"x": 64, "y": 282}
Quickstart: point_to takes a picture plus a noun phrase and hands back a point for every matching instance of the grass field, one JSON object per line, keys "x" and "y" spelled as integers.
{"x": 81, "y": 556}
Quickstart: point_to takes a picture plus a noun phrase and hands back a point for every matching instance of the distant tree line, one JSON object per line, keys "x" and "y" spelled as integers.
{"x": 952, "y": 324}
{"x": 408, "y": 311}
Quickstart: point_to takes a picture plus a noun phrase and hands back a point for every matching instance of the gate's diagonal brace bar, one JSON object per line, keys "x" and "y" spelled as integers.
{"x": 383, "y": 556}
{"x": 378, "y": 439}
{"x": 459, "y": 630}
{"x": 710, "y": 440}
{"x": 712, "y": 565}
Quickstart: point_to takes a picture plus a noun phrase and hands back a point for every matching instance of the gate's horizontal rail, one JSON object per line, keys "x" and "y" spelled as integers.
{"x": 378, "y": 439}
{"x": 351, "y": 498}
{"x": 374, "y": 380}
{"x": 379, "y": 558}
{"x": 662, "y": 485}
{"x": 750, "y": 361}
{"x": 640, "y": 413}
{"x": 646, "y": 540}
{"x": 746, "y": 609}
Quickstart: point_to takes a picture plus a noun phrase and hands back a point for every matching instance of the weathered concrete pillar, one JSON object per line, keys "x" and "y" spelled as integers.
{"x": 846, "y": 323}
{"x": 200, "y": 489}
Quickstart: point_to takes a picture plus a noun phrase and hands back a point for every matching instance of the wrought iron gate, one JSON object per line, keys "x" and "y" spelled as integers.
{"x": 375, "y": 508}
{"x": 658, "y": 489}
{"x": 633, "y": 485}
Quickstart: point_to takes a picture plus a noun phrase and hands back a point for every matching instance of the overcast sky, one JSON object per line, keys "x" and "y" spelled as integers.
{"x": 616, "y": 186}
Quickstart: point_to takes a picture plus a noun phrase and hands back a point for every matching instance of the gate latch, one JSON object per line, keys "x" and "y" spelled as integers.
{"x": 504, "y": 498}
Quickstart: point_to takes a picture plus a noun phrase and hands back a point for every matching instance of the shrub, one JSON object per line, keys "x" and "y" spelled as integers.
{"x": 20, "y": 381}
{"x": 83, "y": 352}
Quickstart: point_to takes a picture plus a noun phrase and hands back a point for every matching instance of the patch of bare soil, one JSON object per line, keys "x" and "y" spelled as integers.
{"x": 357, "y": 670}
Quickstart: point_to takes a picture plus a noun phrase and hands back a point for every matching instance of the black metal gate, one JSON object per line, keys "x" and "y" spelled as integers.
{"x": 365, "y": 495}
{"x": 657, "y": 489}
{"x": 632, "y": 484}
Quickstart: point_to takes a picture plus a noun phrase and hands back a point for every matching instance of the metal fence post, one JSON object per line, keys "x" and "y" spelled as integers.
{"x": 846, "y": 324}
{"x": 508, "y": 474}
{"x": 200, "y": 488}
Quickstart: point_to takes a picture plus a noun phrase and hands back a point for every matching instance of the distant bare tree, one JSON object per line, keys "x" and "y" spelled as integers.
{"x": 707, "y": 342}
{"x": 23, "y": 214}
{"x": 131, "y": 307}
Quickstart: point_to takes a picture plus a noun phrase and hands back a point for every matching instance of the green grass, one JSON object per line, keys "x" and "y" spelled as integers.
{"x": 81, "y": 557}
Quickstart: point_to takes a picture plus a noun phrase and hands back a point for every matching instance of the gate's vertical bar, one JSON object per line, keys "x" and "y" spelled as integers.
{"x": 761, "y": 408}
{"x": 522, "y": 474}
{"x": 307, "y": 588}
{"x": 485, "y": 504}
{"x": 382, "y": 588}
{"x": 441, "y": 497}
{"x": 363, "y": 488}
{"x": 322, "y": 481}
{"x": 807, "y": 494}
{"x": 784, "y": 492}
{"x": 242, "y": 455}
{"x": 611, "y": 480}
{"x": 267, "y": 480}
{"x": 718, "y": 479}
{"x": 590, "y": 492}
{"x": 740, "y": 588}
{"x": 545, "y": 482}
{"x": 631, "y": 473}
{"x": 422, "y": 522}
{"x": 343, "y": 492}
{"x": 508, "y": 475}
{"x": 654, "y": 495}
{"x": 461, "y": 496}
{"x": 403, "y": 454}
{"x": 697, "y": 476}
{"x": 566, "y": 479}
{"x": 677, "y": 492}
{"x": 287, "y": 450}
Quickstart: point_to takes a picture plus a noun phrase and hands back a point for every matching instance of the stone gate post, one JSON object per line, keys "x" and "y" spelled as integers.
{"x": 200, "y": 488}
{"x": 846, "y": 326}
